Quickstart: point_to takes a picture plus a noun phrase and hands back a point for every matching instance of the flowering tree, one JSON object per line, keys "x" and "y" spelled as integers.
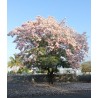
{"x": 45, "y": 39}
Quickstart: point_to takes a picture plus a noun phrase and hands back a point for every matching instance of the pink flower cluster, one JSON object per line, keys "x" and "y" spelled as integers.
{"x": 56, "y": 34}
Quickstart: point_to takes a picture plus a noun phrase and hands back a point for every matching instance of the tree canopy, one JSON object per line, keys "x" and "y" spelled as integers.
{"x": 45, "y": 41}
{"x": 15, "y": 61}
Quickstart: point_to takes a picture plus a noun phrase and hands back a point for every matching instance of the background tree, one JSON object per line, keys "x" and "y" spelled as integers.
{"x": 14, "y": 64}
{"x": 14, "y": 61}
{"x": 17, "y": 63}
{"x": 46, "y": 43}
{"x": 86, "y": 67}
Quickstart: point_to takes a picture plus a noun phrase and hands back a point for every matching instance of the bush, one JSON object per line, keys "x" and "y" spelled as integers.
{"x": 20, "y": 78}
{"x": 11, "y": 72}
{"x": 65, "y": 78}
{"x": 84, "y": 78}
{"x": 42, "y": 78}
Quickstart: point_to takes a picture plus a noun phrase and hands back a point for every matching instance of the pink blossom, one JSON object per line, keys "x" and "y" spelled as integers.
{"x": 29, "y": 35}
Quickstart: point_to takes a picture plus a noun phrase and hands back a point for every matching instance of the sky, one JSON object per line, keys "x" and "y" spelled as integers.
{"x": 76, "y": 12}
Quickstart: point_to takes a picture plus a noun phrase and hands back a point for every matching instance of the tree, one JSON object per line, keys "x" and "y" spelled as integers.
{"x": 23, "y": 70}
{"x": 17, "y": 62}
{"x": 50, "y": 61}
{"x": 86, "y": 66}
{"x": 47, "y": 43}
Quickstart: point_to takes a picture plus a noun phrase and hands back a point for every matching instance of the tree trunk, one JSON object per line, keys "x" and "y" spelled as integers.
{"x": 50, "y": 76}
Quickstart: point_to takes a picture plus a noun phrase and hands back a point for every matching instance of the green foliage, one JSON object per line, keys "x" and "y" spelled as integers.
{"x": 14, "y": 61}
{"x": 48, "y": 61}
{"x": 23, "y": 70}
{"x": 43, "y": 43}
{"x": 41, "y": 71}
{"x": 11, "y": 72}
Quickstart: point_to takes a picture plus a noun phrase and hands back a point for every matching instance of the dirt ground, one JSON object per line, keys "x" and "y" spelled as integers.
{"x": 17, "y": 89}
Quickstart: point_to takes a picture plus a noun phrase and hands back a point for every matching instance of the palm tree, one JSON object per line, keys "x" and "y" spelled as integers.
{"x": 15, "y": 61}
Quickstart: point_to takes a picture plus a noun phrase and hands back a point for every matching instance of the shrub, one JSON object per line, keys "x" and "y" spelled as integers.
{"x": 84, "y": 78}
